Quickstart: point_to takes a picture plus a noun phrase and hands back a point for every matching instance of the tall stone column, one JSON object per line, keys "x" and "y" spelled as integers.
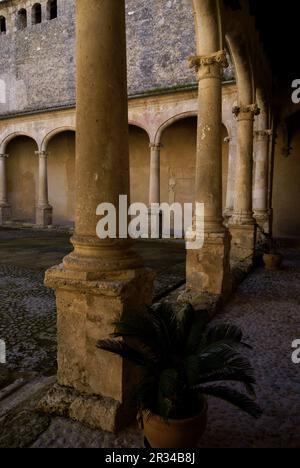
{"x": 102, "y": 279}
{"x": 260, "y": 198}
{"x": 154, "y": 191}
{"x": 155, "y": 215}
{"x": 43, "y": 209}
{"x": 208, "y": 270}
{"x": 5, "y": 211}
{"x": 242, "y": 223}
{"x": 229, "y": 206}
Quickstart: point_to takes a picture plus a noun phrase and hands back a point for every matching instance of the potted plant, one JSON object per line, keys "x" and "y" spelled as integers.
{"x": 272, "y": 257}
{"x": 181, "y": 359}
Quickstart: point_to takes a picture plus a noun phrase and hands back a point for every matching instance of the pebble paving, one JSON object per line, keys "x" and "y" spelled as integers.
{"x": 266, "y": 306}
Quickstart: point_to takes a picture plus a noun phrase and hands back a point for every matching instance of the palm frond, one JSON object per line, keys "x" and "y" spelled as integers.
{"x": 141, "y": 357}
{"x": 195, "y": 338}
{"x": 225, "y": 333}
{"x": 234, "y": 397}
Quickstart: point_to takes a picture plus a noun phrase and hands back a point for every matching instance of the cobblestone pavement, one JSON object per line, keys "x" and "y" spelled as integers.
{"x": 27, "y": 308}
{"x": 266, "y": 306}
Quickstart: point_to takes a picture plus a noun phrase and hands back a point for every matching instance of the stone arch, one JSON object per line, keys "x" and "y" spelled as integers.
{"x": 240, "y": 54}
{"x": 170, "y": 121}
{"x": 53, "y": 133}
{"x": 7, "y": 139}
{"x": 136, "y": 123}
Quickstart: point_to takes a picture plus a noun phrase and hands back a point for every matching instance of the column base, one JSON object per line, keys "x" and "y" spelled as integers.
{"x": 243, "y": 245}
{"x": 263, "y": 221}
{"x": 208, "y": 271}
{"x": 44, "y": 216}
{"x": 86, "y": 310}
{"x": 94, "y": 411}
{"x": 5, "y": 214}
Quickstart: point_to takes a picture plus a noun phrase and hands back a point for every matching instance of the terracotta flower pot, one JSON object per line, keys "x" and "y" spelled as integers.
{"x": 174, "y": 433}
{"x": 272, "y": 261}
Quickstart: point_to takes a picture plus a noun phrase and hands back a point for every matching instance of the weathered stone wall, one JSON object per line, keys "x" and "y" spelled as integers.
{"x": 37, "y": 64}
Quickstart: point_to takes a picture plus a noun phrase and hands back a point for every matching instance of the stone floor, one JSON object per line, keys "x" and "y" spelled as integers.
{"x": 266, "y": 306}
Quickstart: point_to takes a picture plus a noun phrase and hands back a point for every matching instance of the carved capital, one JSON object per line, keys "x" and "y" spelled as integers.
{"x": 42, "y": 154}
{"x": 249, "y": 111}
{"x": 204, "y": 64}
{"x": 263, "y": 133}
{"x": 155, "y": 146}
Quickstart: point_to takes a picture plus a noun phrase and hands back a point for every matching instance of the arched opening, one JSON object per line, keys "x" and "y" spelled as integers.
{"x": 51, "y": 9}
{"x": 61, "y": 177}
{"x": 2, "y": 25}
{"x": 22, "y": 19}
{"x": 139, "y": 154}
{"x": 178, "y": 161}
{"x": 286, "y": 187}
{"x": 22, "y": 178}
{"x": 37, "y": 13}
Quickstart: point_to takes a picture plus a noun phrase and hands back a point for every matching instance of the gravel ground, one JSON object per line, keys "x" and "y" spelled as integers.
{"x": 266, "y": 306}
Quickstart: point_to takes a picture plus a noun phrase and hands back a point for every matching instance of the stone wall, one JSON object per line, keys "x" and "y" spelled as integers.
{"x": 37, "y": 64}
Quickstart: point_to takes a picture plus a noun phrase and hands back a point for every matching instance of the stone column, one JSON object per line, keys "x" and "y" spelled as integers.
{"x": 155, "y": 215}
{"x": 102, "y": 279}
{"x": 43, "y": 209}
{"x": 5, "y": 211}
{"x": 261, "y": 181}
{"x": 231, "y": 176}
{"x": 242, "y": 223}
{"x": 154, "y": 192}
{"x": 208, "y": 267}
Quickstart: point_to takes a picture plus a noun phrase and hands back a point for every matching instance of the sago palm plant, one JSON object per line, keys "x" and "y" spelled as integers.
{"x": 182, "y": 359}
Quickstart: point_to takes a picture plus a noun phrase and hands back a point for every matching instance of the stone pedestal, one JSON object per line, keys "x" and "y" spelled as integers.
{"x": 243, "y": 245}
{"x": 208, "y": 269}
{"x": 43, "y": 216}
{"x": 94, "y": 387}
{"x": 5, "y": 214}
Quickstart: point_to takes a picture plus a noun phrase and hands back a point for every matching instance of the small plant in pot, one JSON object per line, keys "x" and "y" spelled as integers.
{"x": 272, "y": 257}
{"x": 182, "y": 360}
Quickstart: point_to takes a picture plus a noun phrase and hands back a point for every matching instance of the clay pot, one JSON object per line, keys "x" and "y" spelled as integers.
{"x": 174, "y": 434}
{"x": 272, "y": 261}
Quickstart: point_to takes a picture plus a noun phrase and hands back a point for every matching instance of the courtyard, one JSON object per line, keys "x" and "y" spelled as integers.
{"x": 266, "y": 306}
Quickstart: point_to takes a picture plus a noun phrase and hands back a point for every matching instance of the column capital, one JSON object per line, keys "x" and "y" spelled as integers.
{"x": 155, "y": 146}
{"x": 209, "y": 66}
{"x": 247, "y": 112}
{"x": 262, "y": 134}
{"x": 42, "y": 154}
{"x": 4, "y": 156}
